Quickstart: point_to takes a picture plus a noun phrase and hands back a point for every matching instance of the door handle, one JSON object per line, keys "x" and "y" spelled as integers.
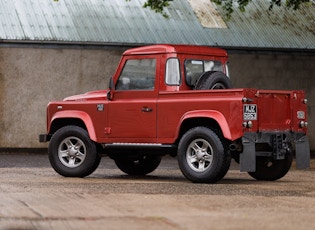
{"x": 146, "y": 109}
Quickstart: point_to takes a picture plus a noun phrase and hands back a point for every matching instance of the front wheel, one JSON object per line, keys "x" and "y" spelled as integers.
{"x": 72, "y": 153}
{"x": 202, "y": 157}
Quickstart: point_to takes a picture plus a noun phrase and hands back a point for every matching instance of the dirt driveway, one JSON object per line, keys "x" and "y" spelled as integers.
{"x": 33, "y": 196}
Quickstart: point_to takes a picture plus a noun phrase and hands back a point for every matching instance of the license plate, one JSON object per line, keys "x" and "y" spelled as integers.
{"x": 250, "y": 112}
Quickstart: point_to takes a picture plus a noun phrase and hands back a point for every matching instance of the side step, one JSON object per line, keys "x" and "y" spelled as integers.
{"x": 138, "y": 145}
{"x": 139, "y": 148}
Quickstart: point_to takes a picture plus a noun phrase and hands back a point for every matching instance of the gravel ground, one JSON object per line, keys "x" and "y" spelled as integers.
{"x": 33, "y": 196}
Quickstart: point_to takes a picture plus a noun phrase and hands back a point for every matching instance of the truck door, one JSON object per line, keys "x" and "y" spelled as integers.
{"x": 132, "y": 110}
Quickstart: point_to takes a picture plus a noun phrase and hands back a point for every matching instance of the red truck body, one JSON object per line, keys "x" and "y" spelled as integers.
{"x": 152, "y": 105}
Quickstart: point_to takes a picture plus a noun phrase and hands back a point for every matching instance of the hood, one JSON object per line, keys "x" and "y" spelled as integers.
{"x": 94, "y": 95}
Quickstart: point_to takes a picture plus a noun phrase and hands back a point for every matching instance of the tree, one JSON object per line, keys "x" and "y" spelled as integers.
{"x": 228, "y": 5}
{"x": 157, "y": 5}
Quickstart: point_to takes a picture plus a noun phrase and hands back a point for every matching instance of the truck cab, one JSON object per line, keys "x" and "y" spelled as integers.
{"x": 145, "y": 74}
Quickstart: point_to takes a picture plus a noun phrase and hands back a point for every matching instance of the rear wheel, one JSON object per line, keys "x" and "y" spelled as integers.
{"x": 202, "y": 157}
{"x": 269, "y": 169}
{"x": 140, "y": 165}
{"x": 72, "y": 153}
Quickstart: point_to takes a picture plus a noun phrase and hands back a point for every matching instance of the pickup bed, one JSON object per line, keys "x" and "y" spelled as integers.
{"x": 178, "y": 100}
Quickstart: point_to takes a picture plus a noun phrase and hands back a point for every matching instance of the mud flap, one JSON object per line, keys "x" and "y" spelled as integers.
{"x": 302, "y": 153}
{"x": 248, "y": 156}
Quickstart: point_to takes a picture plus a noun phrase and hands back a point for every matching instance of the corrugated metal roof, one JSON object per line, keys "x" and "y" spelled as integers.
{"x": 121, "y": 22}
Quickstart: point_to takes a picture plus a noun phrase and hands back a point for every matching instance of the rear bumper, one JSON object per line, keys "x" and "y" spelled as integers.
{"x": 278, "y": 141}
{"x": 44, "y": 137}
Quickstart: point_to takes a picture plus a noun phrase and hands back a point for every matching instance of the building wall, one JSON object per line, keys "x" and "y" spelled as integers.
{"x": 30, "y": 77}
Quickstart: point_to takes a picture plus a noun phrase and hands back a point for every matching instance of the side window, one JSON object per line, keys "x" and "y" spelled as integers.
{"x": 172, "y": 75}
{"x": 138, "y": 74}
{"x": 195, "y": 68}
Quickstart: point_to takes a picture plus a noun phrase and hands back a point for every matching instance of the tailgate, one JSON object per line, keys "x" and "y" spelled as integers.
{"x": 280, "y": 110}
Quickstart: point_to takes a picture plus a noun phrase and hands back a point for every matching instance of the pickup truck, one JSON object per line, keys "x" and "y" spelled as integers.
{"x": 178, "y": 100}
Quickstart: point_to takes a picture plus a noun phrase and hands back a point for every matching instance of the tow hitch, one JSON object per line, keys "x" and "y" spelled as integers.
{"x": 279, "y": 147}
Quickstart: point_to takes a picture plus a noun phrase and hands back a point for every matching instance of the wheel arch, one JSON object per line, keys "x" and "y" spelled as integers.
{"x": 77, "y": 118}
{"x": 211, "y": 119}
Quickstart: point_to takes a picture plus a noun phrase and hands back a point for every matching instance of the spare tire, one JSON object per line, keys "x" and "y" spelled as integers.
{"x": 213, "y": 80}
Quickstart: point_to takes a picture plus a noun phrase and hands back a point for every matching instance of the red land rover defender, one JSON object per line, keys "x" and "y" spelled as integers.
{"x": 178, "y": 100}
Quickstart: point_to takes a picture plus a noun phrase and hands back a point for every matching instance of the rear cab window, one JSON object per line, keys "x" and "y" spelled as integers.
{"x": 195, "y": 68}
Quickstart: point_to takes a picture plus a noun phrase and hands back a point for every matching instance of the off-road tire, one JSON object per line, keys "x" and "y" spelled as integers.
{"x": 202, "y": 157}
{"x": 138, "y": 166}
{"x": 72, "y": 153}
{"x": 213, "y": 80}
{"x": 268, "y": 169}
